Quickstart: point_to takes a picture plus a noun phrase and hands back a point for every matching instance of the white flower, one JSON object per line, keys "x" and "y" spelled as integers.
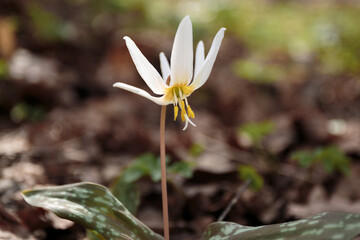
{"x": 180, "y": 81}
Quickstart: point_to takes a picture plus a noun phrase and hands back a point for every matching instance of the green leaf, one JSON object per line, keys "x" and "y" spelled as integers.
{"x": 23, "y": 111}
{"x": 255, "y": 132}
{"x": 342, "y": 226}
{"x": 92, "y": 206}
{"x": 305, "y": 159}
{"x": 196, "y": 150}
{"x": 331, "y": 158}
{"x": 93, "y": 235}
{"x": 3, "y": 67}
{"x": 127, "y": 193}
{"x": 125, "y": 187}
{"x": 133, "y": 173}
{"x": 47, "y": 25}
{"x": 247, "y": 172}
{"x": 259, "y": 72}
{"x": 182, "y": 168}
{"x": 145, "y": 165}
{"x": 153, "y": 165}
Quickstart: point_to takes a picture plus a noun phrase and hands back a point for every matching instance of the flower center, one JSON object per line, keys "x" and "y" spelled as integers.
{"x": 177, "y": 95}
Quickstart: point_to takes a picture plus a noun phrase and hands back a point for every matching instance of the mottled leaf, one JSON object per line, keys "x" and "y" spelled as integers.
{"x": 92, "y": 206}
{"x": 324, "y": 226}
{"x": 93, "y": 235}
{"x": 127, "y": 192}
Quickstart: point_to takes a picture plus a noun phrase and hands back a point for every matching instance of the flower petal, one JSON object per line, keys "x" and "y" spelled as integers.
{"x": 182, "y": 55}
{"x": 138, "y": 91}
{"x": 205, "y": 70}
{"x": 165, "y": 67}
{"x": 199, "y": 57}
{"x": 151, "y": 77}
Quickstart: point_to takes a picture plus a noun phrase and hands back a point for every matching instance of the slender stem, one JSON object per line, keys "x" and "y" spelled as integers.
{"x": 163, "y": 174}
{"x": 234, "y": 200}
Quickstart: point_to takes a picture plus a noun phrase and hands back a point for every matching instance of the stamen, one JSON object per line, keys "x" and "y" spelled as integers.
{"x": 176, "y": 112}
{"x": 182, "y": 105}
{"x": 190, "y": 112}
{"x": 177, "y": 94}
{"x": 183, "y": 114}
{"x": 186, "y": 101}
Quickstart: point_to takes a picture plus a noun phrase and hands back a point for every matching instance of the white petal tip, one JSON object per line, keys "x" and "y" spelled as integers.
{"x": 222, "y": 31}
{"x": 185, "y": 19}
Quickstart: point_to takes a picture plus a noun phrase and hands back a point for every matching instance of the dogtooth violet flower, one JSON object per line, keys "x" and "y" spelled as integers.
{"x": 179, "y": 80}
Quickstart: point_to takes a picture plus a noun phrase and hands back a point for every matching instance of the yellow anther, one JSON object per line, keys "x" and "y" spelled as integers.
{"x": 182, "y": 105}
{"x": 176, "y": 112}
{"x": 190, "y": 112}
{"x": 183, "y": 112}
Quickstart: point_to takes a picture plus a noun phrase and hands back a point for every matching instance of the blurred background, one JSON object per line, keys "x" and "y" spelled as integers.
{"x": 281, "y": 108}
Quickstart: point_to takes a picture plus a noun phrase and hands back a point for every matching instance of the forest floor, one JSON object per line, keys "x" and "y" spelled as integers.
{"x": 61, "y": 122}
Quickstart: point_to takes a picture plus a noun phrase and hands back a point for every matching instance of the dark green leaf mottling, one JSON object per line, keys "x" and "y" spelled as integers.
{"x": 93, "y": 207}
{"x": 324, "y": 226}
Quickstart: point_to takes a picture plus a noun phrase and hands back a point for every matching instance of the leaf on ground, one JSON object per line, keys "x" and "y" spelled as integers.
{"x": 254, "y": 132}
{"x": 249, "y": 173}
{"x": 344, "y": 226}
{"x": 182, "y": 168}
{"x": 127, "y": 193}
{"x": 144, "y": 165}
{"x": 92, "y": 206}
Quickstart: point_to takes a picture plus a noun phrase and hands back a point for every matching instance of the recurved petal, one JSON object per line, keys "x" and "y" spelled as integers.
{"x": 165, "y": 67}
{"x": 138, "y": 91}
{"x": 206, "y": 67}
{"x": 199, "y": 57}
{"x": 148, "y": 73}
{"x": 182, "y": 55}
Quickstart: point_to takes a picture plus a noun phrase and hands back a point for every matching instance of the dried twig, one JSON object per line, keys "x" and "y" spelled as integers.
{"x": 234, "y": 200}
